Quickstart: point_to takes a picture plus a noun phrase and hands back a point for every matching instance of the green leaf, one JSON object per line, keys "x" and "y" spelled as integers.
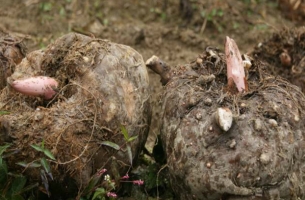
{"x": 3, "y": 172}
{"x": 17, "y": 185}
{"x": 45, "y": 181}
{"x": 99, "y": 192}
{"x": 4, "y": 112}
{"x": 220, "y": 13}
{"x": 3, "y": 148}
{"x": 62, "y": 11}
{"x": 45, "y": 164}
{"x": 132, "y": 138}
{"x": 17, "y": 197}
{"x": 29, "y": 187}
{"x": 48, "y": 153}
{"x": 125, "y": 132}
{"x": 163, "y": 16}
{"x": 92, "y": 183}
{"x": 105, "y": 22}
{"x": 111, "y": 144}
{"x": 37, "y": 148}
{"x": 29, "y": 165}
{"x": 46, "y": 6}
{"x": 214, "y": 12}
{"x": 129, "y": 152}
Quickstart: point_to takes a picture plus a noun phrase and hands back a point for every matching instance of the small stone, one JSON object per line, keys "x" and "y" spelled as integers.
{"x": 260, "y": 45}
{"x": 273, "y": 122}
{"x": 199, "y": 61}
{"x": 257, "y": 125}
{"x": 86, "y": 59}
{"x": 198, "y": 116}
{"x": 296, "y": 118}
{"x": 264, "y": 158}
{"x": 38, "y": 116}
{"x": 232, "y": 144}
{"x": 224, "y": 118}
{"x": 208, "y": 165}
{"x": 207, "y": 102}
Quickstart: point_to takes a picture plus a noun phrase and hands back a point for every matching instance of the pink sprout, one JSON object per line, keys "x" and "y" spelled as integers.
{"x": 138, "y": 182}
{"x": 101, "y": 172}
{"x": 125, "y": 177}
{"x": 111, "y": 194}
{"x": 235, "y": 68}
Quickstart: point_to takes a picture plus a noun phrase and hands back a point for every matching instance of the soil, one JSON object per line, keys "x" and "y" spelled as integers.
{"x": 175, "y": 31}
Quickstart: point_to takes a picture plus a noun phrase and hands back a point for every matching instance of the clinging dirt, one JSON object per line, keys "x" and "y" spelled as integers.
{"x": 102, "y": 86}
{"x": 284, "y": 55}
{"x": 12, "y": 51}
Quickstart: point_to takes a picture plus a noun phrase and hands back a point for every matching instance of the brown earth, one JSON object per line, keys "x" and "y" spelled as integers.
{"x": 175, "y": 33}
{"x": 153, "y": 27}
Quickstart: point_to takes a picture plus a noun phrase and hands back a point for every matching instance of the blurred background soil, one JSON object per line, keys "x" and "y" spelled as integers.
{"x": 175, "y": 30}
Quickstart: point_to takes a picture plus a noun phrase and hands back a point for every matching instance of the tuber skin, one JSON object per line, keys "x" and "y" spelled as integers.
{"x": 235, "y": 67}
{"x": 40, "y": 86}
{"x": 159, "y": 67}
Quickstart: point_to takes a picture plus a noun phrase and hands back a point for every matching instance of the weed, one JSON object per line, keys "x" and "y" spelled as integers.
{"x": 12, "y": 185}
{"x": 214, "y": 16}
{"x": 101, "y": 185}
{"x": 42, "y": 163}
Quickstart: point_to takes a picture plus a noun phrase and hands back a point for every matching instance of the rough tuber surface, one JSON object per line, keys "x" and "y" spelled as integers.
{"x": 260, "y": 156}
{"x": 101, "y": 86}
{"x": 12, "y": 51}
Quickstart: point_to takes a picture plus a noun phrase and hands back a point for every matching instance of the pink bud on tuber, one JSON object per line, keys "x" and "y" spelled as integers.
{"x": 235, "y": 67}
{"x": 36, "y": 86}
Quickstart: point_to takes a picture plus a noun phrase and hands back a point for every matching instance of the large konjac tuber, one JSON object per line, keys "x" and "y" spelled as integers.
{"x": 220, "y": 145}
{"x": 101, "y": 86}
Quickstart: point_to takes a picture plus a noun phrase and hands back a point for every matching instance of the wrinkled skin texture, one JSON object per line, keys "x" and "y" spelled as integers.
{"x": 260, "y": 157}
{"x": 101, "y": 86}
